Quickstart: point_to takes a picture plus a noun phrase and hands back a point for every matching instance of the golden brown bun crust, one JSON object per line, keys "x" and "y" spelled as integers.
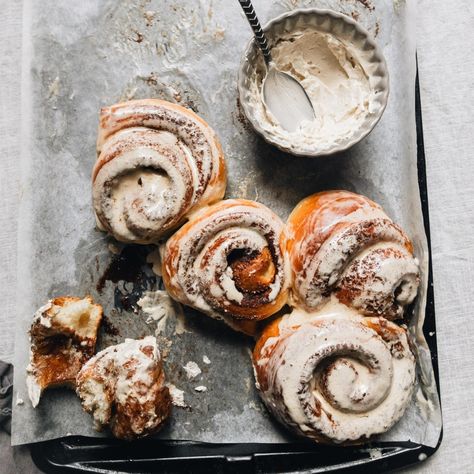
{"x": 343, "y": 243}
{"x": 252, "y": 272}
{"x": 313, "y": 215}
{"x": 59, "y": 350}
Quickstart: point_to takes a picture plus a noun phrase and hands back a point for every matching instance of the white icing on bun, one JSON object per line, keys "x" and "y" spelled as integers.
{"x": 157, "y": 163}
{"x": 335, "y": 377}
{"x": 227, "y": 262}
{"x": 123, "y": 387}
{"x": 343, "y": 243}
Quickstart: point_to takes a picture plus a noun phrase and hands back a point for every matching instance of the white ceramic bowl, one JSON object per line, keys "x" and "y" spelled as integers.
{"x": 346, "y": 30}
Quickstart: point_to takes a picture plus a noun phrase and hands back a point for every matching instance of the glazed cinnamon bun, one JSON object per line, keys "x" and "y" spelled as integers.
{"x": 63, "y": 336}
{"x": 123, "y": 387}
{"x": 227, "y": 262}
{"x": 335, "y": 378}
{"x": 344, "y": 244}
{"x": 157, "y": 162}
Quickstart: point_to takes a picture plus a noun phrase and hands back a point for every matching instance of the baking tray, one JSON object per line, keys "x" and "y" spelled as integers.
{"x": 85, "y": 454}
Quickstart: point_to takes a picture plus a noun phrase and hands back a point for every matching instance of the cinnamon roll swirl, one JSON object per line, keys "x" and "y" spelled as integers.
{"x": 227, "y": 262}
{"x": 335, "y": 378}
{"x": 157, "y": 163}
{"x": 123, "y": 387}
{"x": 344, "y": 244}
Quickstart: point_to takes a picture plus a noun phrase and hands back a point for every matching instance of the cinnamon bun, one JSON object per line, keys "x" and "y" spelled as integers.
{"x": 63, "y": 335}
{"x": 157, "y": 162}
{"x": 227, "y": 262}
{"x": 344, "y": 244}
{"x": 123, "y": 387}
{"x": 335, "y": 378}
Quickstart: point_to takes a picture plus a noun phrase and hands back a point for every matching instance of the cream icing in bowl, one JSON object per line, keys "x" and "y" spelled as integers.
{"x": 339, "y": 65}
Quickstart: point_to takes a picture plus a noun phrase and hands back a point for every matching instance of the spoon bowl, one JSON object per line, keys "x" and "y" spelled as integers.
{"x": 285, "y": 98}
{"x": 252, "y": 73}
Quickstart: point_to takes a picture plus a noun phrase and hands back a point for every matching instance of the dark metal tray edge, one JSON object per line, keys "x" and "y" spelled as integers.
{"x": 77, "y": 454}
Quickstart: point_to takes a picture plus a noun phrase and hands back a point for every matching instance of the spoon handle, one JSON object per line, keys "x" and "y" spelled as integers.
{"x": 249, "y": 11}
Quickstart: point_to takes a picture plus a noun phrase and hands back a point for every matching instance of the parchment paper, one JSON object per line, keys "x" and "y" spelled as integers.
{"x": 79, "y": 56}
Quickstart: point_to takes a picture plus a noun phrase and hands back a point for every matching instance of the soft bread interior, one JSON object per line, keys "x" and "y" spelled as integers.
{"x": 79, "y": 316}
{"x": 63, "y": 337}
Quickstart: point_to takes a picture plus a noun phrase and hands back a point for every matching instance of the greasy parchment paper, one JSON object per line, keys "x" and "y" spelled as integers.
{"x": 79, "y": 56}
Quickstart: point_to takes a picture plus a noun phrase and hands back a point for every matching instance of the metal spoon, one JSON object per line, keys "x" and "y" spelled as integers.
{"x": 283, "y": 95}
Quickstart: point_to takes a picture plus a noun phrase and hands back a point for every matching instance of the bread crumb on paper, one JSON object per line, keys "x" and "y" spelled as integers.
{"x": 177, "y": 396}
{"x": 192, "y": 369}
